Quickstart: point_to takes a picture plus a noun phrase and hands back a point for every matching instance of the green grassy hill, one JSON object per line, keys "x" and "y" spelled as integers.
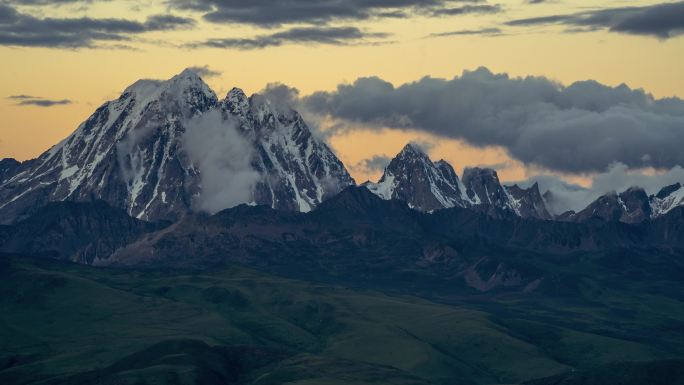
{"x": 72, "y": 324}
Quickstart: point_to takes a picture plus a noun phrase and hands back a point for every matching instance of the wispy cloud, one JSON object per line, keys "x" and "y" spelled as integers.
{"x": 28, "y": 100}
{"x": 304, "y": 35}
{"x": 205, "y": 72}
{"x": 661, "y": 20}
{"x": 467, "y": 10}
{"x": 465, "y": 32}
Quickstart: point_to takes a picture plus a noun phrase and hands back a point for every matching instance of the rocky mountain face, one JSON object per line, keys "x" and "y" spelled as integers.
{"x": 127, "y": 153}
{"x": 8, "y": 168}
{"x": 631, "y": 206}
{"x": 298, "y": 171}
{"x": 667, "y": 199}
{"x": 529, "y": 203}
{"x": 80, "y": 232}
{"x": 131, "y": 154}
{"x": 135, "y": 154}
{"x": 356, "y": 236}
{"x": 427, "y": 186}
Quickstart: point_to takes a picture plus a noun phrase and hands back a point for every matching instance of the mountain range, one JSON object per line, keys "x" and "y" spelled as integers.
{"x": 179, "y": 238}
{"x": 164, "y": 149}
{"x": 134, "y": 154}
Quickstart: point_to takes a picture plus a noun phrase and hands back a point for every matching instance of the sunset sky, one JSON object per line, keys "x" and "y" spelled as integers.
{"x": 62, "y": 59}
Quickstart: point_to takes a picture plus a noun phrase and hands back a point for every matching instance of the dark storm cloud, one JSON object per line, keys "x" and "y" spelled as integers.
{"x": 273, "y": 13}
{"x": 20, "y": 29}
{"x": 28, "y": 100}
{"x": 483, "y": 32}
{"x": 305, "y": 35}
{"x": 583, "y": 127}
{"x": 660, "y": 20}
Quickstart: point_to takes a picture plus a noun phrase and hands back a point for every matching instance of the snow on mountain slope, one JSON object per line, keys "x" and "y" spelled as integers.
{"x": 483, "y": 187}
{"x": 299, "y": 171}
{"x": 528, "y": 202}
{"x": 130, "y": 153}
{"x": 125, "y": 154}
{"x": 630, "y": 206}
{"x": 426, "y": 186}
{"x": 667, "y": 199}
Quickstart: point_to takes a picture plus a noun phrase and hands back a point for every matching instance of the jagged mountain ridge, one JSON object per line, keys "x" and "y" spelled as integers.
{"x": 297, "y": 164}
{"x": 80, "y": 232}
{"x": 356, "y": 235}
{"x": 427, "y": 186}
{"x": 424, "y": 185}
{"x": 630, "y": 206}
{"x": 130, "y": 154}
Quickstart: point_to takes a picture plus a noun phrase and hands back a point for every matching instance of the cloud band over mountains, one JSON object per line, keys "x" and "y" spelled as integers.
{"x": 581, "y": 128}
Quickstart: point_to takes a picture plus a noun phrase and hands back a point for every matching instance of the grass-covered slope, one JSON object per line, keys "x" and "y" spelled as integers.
{"x": 70, "y": 324}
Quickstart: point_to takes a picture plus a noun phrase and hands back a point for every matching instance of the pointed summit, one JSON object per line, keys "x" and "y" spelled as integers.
{"x": 185, "y": 95}
{"x": 236, "y": 102}
{"x": 189, "y": 73}
{"x": 630, "y": 206}
{"x": 667, "y": 199}
{"x": 298, "y": 171}
{"x": 449, "y": 173}
{"x": 483, "y": 186}
{"x": 132, "y": 152}
{"x": 412, "y": 150}
{"x": 667, "y": 190}
{"x": 413, "y": 178}
{"x": 528, "y": 203}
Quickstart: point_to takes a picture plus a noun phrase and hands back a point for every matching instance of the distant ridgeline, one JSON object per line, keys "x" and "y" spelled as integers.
{"x": 159, "y": 160}
{"x": 256, "y": 238}
{"x": 164, "y": 149}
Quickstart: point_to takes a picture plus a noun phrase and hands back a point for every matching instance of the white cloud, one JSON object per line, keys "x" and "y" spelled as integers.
{"x": 223, "y": 157}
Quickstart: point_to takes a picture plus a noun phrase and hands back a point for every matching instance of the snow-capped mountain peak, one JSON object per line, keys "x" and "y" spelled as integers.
{"x": 236, "y": 102}
{"x": 131, "y": 153}
{"x": 185, "y": 91}
{"x": 483, "y": 187}
{"x": 667, "y": 199}
{"x": 667, "y": 190}
{"x": 425, "y": 185}
{"x": 630, "y": 206}
{"x": 450, "y": 176}
{"x": 528, "y": 202}
{"x": 299, "y": 171}
{"x": 412, "y": 177}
